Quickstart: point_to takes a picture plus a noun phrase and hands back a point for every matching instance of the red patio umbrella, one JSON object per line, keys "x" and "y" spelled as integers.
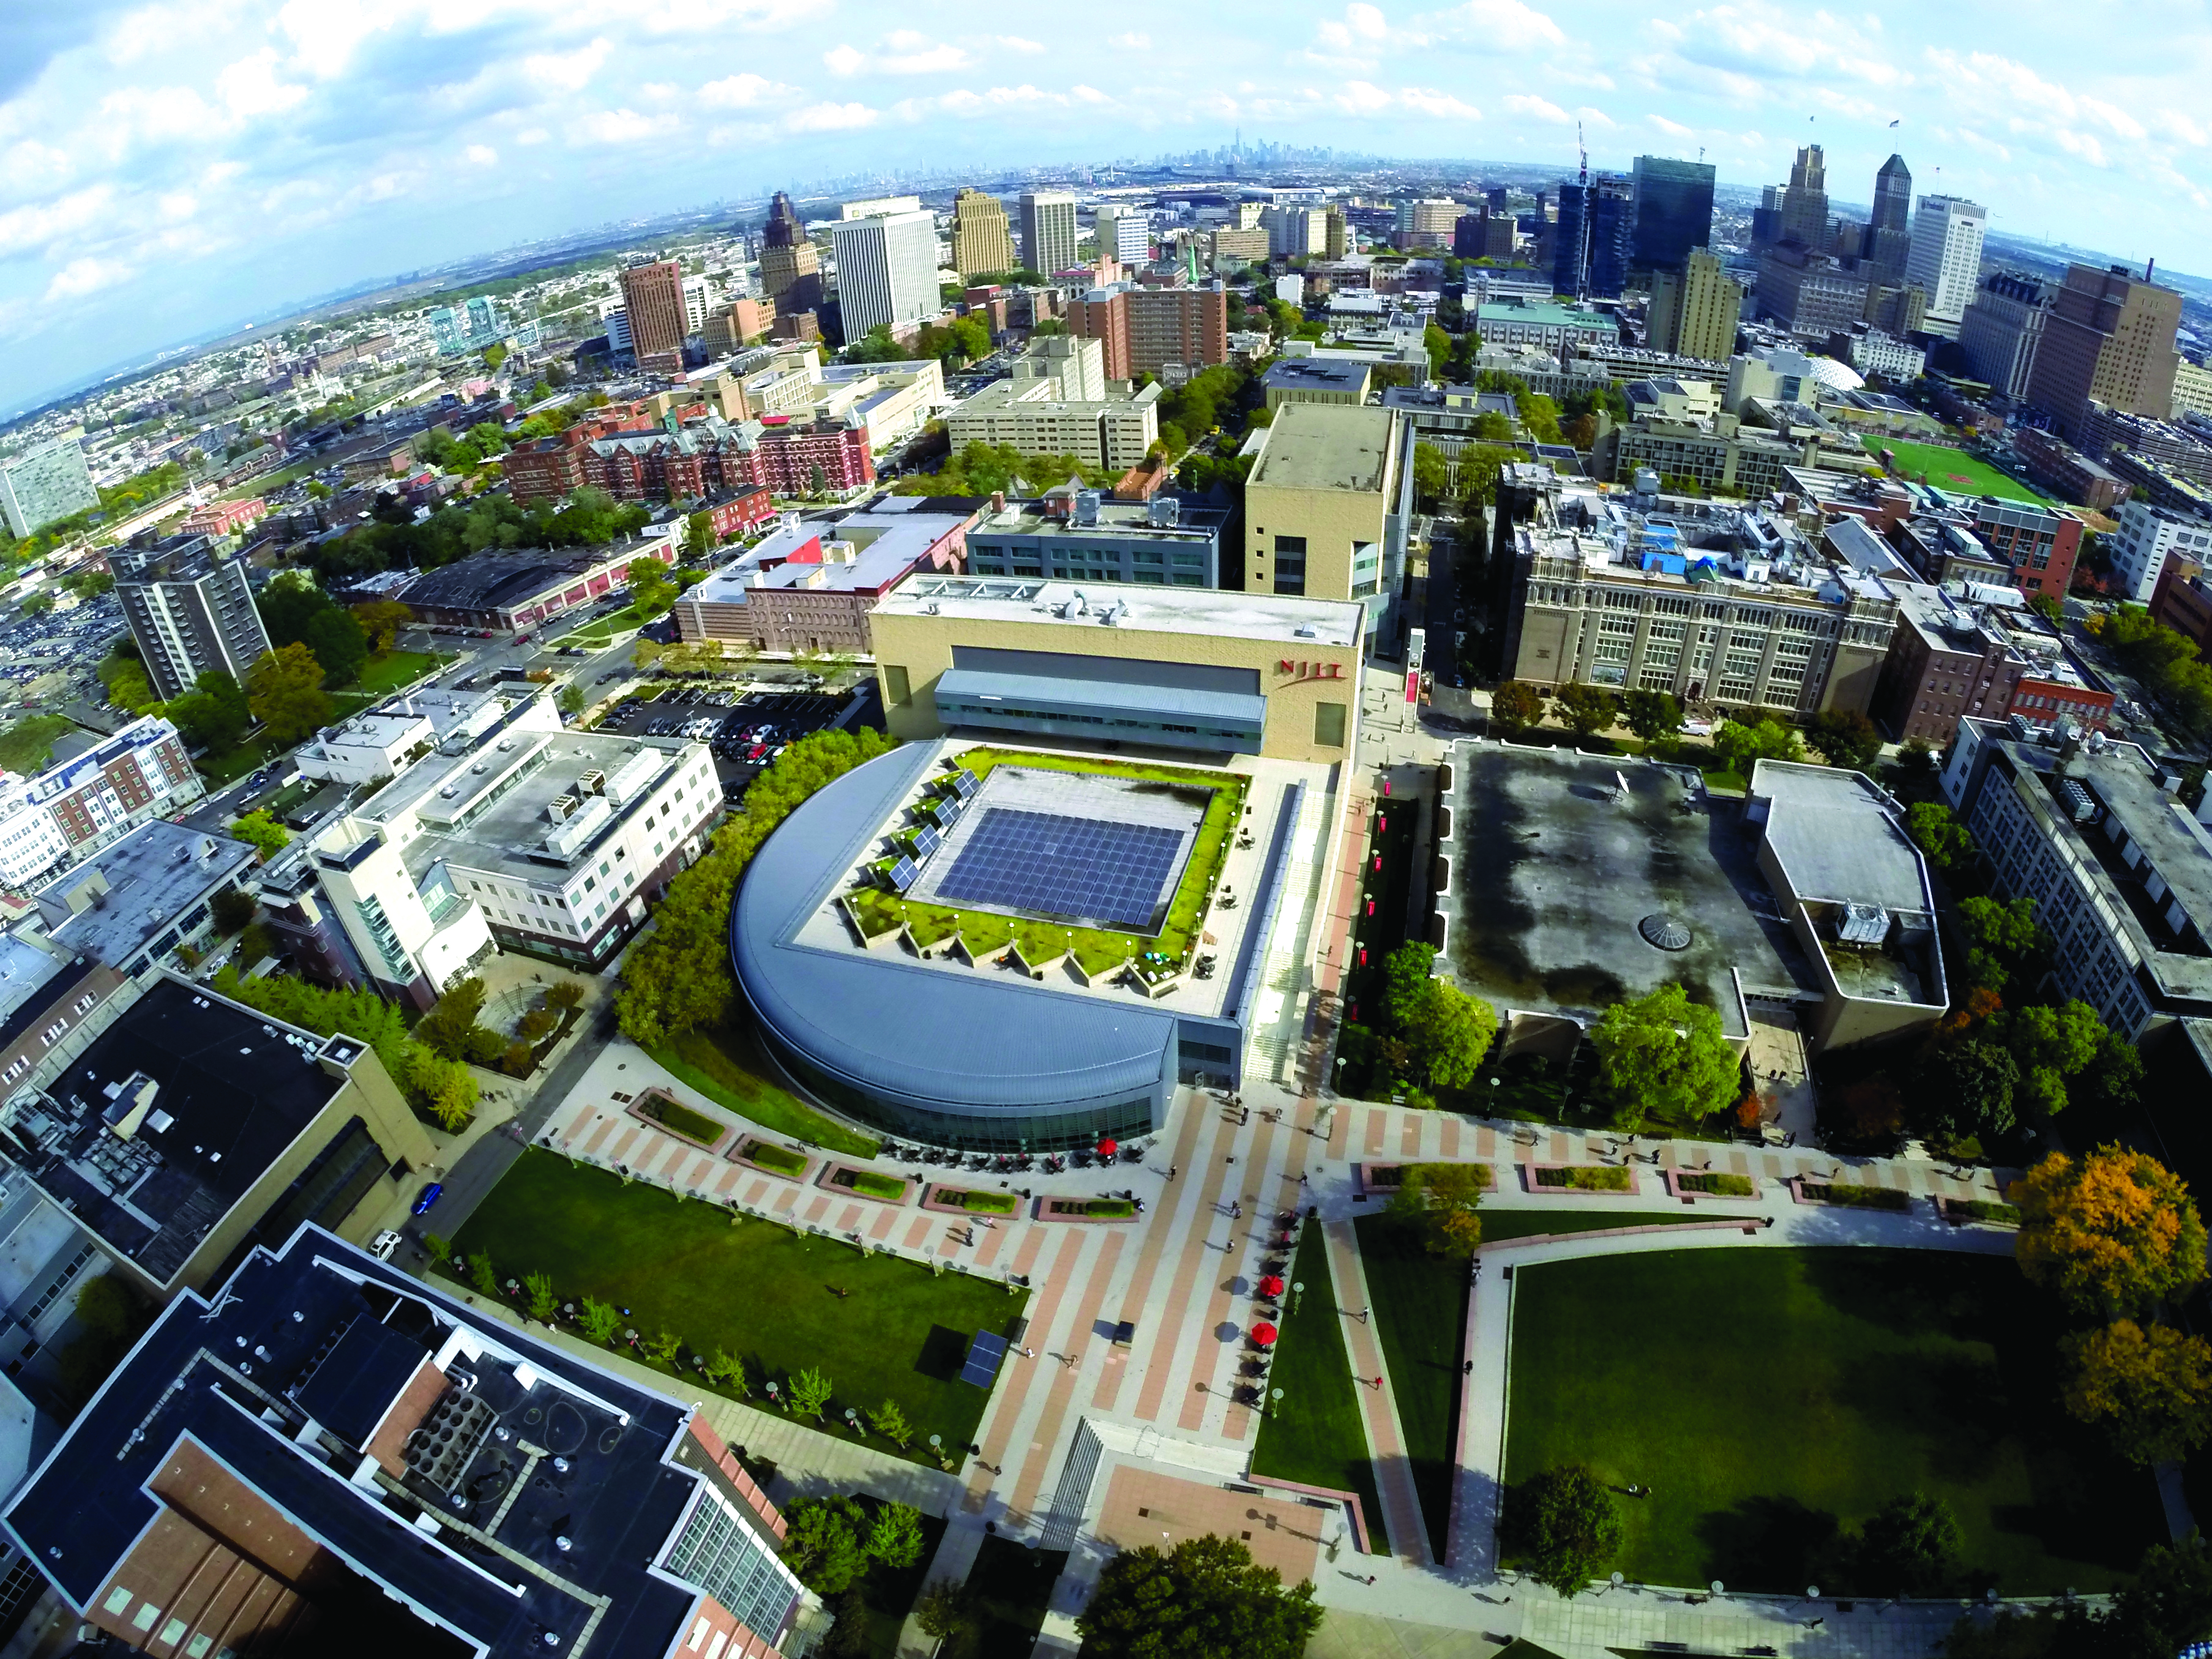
{"x": 1107, "y": 1148}
{"x": 1264, "y": 1335}
{"x": 1271, "y": 1286}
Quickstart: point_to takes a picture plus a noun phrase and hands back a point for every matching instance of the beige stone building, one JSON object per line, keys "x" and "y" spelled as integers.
{"x": 1325, "y": 507}
{"x": 180, "y": 1128}
{"x": 1179, "y": 669}
{"x": 1694, "y": 310}
{"x": 983, "y": 242}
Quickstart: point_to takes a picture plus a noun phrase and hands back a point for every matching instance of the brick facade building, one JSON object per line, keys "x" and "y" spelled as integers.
{"x": 1144, "y": 330}
{"x": 707, "y": 457}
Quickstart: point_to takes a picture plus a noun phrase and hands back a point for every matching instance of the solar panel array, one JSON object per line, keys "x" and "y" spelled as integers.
{"x": 1079, "y": 869}
{"x": 944, "y": 810}
{"x": 902, "y": 875}
{"x": 925, "y": 842}
{"x": 962, "y": 783}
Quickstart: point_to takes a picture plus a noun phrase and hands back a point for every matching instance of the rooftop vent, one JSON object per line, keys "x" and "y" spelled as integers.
{"x": 1663, "y": 933}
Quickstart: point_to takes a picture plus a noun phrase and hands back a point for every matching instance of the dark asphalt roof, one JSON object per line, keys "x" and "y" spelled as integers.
{"x": 993, "y": 1044}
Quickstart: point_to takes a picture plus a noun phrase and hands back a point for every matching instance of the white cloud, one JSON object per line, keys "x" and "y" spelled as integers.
{"x": 1532, "y": 108}
{"x": 1507, "y": 26}
{"x": 1358, "y": 98}
{"x": 1015, "y": 43}
{"x": 483, "y": 155}
{"x": 87, "y": 276}
{"x": 566, "y": 71}
{"x": 249, "y": 87}
{"x": 533, "y": 136}
{"x": 41, "y": 222}
{"x": 845, "y": 60}
{"x": 902, "y": 51}
{"x": 624, "y": 126}
{"x": 1426, "y": 101}
{"x": 830, "y": 117}
{"x": 1133, "y": 41}
{"x": 745, "y": 91}
{"x": 1672, "y": 129}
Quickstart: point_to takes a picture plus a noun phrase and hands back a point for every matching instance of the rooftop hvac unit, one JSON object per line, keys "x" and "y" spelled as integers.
{"x": 574, "y": 831}
{"x": 1862, "y": 924}
{"x": 1087, "y": 506}
{"x": 559, "y": 808}
{"x": 1164, "y": 513}
{"x": 2080, "y": 804}
{"x": 440, "y": 1451}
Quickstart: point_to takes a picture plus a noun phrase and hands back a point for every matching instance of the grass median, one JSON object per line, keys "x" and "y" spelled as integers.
{"x": 725, "y": 1064}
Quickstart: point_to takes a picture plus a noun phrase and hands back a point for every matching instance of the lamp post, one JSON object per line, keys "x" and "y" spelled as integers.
{"x": 1618, "y": 1579}
{"x": 775, "y": 1395}
{"x": 1277, "y": 1405}
{"x": 1297, "y": 1295}
{"x": 853, "y": 1419}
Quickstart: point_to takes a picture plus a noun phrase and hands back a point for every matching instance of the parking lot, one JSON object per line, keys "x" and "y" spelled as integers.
{"x": 745, "y": 730}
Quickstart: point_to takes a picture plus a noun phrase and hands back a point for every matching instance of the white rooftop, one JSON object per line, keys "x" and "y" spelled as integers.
{"x": 1134, "y": 607}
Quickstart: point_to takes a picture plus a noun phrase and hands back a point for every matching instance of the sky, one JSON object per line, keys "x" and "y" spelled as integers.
{"x": 171, "y": 167}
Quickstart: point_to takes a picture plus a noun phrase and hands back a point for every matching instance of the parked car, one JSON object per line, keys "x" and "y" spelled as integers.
{"x": 385, "y": 1245}
{"x": 428, "y": 1196}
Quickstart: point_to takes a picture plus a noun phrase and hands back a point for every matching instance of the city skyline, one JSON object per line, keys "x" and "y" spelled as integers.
{"x": 174, "y": 167}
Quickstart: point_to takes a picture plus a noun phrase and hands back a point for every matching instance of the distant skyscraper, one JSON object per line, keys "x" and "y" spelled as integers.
{"x": 1125, "y": 233}
{"x": 1805, "y": 208}
{"x": 1591, "y": 252}
{"x": 886, "y": 271}
{"x": 653, "y": 299}
{"x": 1946, "y": 256}
{"x": 1674, "y": 211}
{"x": 2110, "y": 336}
{"x": 790, "y": 265}
{"x": 982, "y": 245}
{"x": 40, "y": 485}
{"x": 1892, "y": 196}
{"x": 1695, "y": 309}
{"x": 1048, "y": 237}
{"x": 2001, "y": 328}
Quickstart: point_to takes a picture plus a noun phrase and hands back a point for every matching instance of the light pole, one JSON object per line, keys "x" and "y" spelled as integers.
{"x": 1297, "y": 1295}
{"x": 853, "y": 1419}
{"x": 775, "y": 1395}
{"x": 1277, "y": 1405}
{"x": 1618, "y": 1579}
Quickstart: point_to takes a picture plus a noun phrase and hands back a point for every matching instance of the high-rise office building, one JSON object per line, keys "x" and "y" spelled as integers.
{"x": 1674, "y": 211}
{"x": 2001, "y": 329}
{"x": 1592, "y": 247}
{"x": 2110, "y": 336}
{"x": 1946, "y": 256}
{"x": 1336, "y": 236}
{"x": 982, "y": 245}
{"x": 886, "y": 271}
{"x": 1695, "y": 309}
{"x": 190, "y": 610}
{"x": 1892, "y": 196}
{"x": 653, "y": 299}
{"x": 44, "y": 484}
{"x": 791, "y": 266}
{"x": 1804, "y": 205}
{"x": 1048, "y": 238}
{"x": 1124, "y": 232}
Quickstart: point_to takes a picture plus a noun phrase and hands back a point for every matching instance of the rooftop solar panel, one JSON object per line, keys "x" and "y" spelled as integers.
{"x": 1079, "y": 869}
{"x": 962, "y": 783}
{"x": 925, "y": 842}
{"x": 902, "y": 875}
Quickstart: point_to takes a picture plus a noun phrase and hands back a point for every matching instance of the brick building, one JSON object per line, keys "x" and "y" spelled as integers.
{"x": 2058, "y": 466}
{"x": 652, "y": 296}
{"x": 812, "y": 587}
{"x": 2183, "y": 601}
{"x": 1145, "y": 330}
{"x": 706, "y": 457}
{"x": 1947, "y": 660}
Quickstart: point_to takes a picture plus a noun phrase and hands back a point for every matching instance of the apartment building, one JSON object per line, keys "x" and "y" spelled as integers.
{"x": 44, "y": 483}
{"x": 1695, "y": 305}
{"x": 1110, "y": 432}
{"x": 2001, "y": 328}
{"x": 2110, "y": 336}
{"x": 190, "y": 606}
{"x": 75, "y": 807}
{"x": 655, "y": 304}
{"x": 1713, "y": 602}
{"x": 1167, "y": 333}
{"x": 530, "y": 838}
{"x": 886, "y": 271}
{"x": 2148, "y": 538}
{"x": 2183, "y": 601}
{"x": 2056, "y": 464}
{"x": 983, "y": 242}
{"x": 778, "y": 453}
{"x": 1949, "y": 659}
{"x": 1049, "y": 239}
{"x": 2120, "y": 871}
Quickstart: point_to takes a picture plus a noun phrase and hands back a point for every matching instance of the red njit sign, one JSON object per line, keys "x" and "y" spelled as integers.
{"x": 1413, "y": 685}
{"x": 1308, "y": 671}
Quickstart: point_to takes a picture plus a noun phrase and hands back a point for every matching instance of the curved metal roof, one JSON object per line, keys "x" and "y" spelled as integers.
{"x": 988, "y": 1042}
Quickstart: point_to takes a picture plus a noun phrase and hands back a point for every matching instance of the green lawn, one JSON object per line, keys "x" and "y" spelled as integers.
{"x": 1314, "y": 1434}
{"x": 234, "y": 763}
{"x": 1499, "y": 1225}
{"x": 1952, "y": 470}
{"x": 1772, "y": 1398}
{"x": 28, "y": 744}
{"x": 1419, "y": 1315}
{"x": 383, "y": 675}
{"x": 750, "y": 1287}
{"x": 727, "y": 1065}
{"x": 602, "y": 630}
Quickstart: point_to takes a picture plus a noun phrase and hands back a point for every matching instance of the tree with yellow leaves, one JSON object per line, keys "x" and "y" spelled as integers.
{"x": 2148, "y": 1387}
{"x": 2112, "y": 1234}
{"x": 1443, "y": 1199}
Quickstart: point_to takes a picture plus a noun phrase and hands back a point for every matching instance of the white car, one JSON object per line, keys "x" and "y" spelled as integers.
{"x": 384, "y": 1246}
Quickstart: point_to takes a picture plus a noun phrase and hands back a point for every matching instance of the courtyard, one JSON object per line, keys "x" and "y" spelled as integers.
{"x": 1771, "y": 1399}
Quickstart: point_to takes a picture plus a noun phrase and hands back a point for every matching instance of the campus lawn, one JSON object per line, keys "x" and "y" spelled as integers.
{"x": 1419, "y": 1313}
{"x": 755, "y": 1288}
{"x": 1771, "y": 1398}
{"x": 603, "y": 629}
{"x": 234, "y": 763}
{"x": 1314, "y": 1434}
{"x": 388, "y": 673}
{"x": 725, "y": 1064}
{"x": 1500, "y": 1225}
{"x": 1952, "y": 470}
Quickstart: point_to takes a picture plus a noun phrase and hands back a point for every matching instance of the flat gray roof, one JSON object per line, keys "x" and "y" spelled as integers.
{"x": 1552, "y": 868}
{"x": 1196, "y": 611}
{"x": 1326, "y": 447}
{"x": 1335, "y": 374}
{"x": 155, "y": 874}
{"x": 1837, "y": 836}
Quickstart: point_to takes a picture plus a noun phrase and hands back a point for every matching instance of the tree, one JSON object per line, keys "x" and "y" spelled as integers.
{"x": 563, "y": 994}
{"x": 1909, "y": 1545}
{"x": 725, "y": 1370}
{"x": 1430, "y": 473}
{"x": 570, "y": 700}
{"x": 1654, "y": 716}
{"x": 1966, "y": 1089}
{"x": 2000, "y": 936}
{"x": 1516, "y": 707}
{"x": 1742, "y": 743}
{"x": 1206, "y": 1599}
{"x": 440, "y": 1250}
{"x": 284, "y": 690}
{"x": 1448, "y": 1033}
{"x": 213, "y": 714}
{"x": 2050, "y": 1045}
{"x": 1942, "y": 840}
{"x": 895, "y": 1539}
{"x": 698, "y": 537}
{"x": 2110, "y": 1234}
{"x": 2168, "y": 1607}
{"x": 1405, "y": 971}
{"x": 651, "y": 592}
{"x": 599, "y": 1320}
{"x": 1439, "y": 347}
{"x": 947, "y": 1609}
{"x": 2149, "y": 1388}
{"x": 1442, "y": 1200}
{"x": 36, "y": 605}
{"x": 483, "y": 1274}
{"x": 1586, "y": 710}
{"x": 809, "y": 1394}
{"x": 262, "y": 833}
{"x": 890, "y": 1423}
{"x": 1844, "y": 737}
{"x": 543, "y": 1300}
{"x": 1661, "y": 1058}
{"x": 822, "y": 1545}
{"x": 1566, "y": 1522}
{"x": 232, "y": 909}
{"x": 662, "y": 1348}
{"x": 447, "y": 1027}
{"x": 381, "y": 620}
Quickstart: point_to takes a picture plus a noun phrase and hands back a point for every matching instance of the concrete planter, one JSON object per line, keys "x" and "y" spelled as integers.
{"x": 1673, "y": 1181}
{"x": 1050, "y": 1209}
{"x": 1893, "y": 1201}
{"x": 740, "y": 1153}
{"x": 1531, "y": 1180}
{"x": 827, "y": 1179}
{"x": 655, "y": 1124}
{"x": 869, "y": 941}
{"x": 945, "y": 1200}
{"x": 1366, "y": 1175}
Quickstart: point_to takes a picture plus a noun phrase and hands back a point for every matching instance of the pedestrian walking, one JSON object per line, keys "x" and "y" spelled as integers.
{"x": 1370, "y": 1578}
{"x": 1235, "y": 1211}
{"x": 1029, "y": 1353}
{"x": 1231, "y": 1158}
{"x": 1172, "y": 1168}
{"x": 1467, "y": 1370}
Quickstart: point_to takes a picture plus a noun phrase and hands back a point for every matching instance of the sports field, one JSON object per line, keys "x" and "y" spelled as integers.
{"x": 1952, "y": 470}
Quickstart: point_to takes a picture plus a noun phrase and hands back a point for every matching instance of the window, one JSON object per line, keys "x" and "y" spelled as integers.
{"x": 1329, "y": 725}
{"x": 897, "y": 690}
